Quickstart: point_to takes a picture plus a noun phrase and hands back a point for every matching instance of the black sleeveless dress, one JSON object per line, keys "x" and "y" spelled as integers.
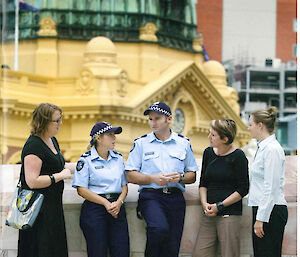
{"x": 47, "y": 238}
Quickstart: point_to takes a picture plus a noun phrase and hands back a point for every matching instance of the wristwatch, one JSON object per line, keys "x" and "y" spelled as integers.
{"x": 181, "y": 177}
{"x": 220, "y": 206}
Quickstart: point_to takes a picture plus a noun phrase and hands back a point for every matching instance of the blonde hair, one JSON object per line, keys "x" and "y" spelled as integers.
{"x": 266, "y": 117}
{"x": 225, "y": 128}
{"x": 93, "y": 142}
{"x": 41, "y": 117}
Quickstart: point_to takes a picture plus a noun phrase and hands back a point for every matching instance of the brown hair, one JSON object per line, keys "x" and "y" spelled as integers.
{"x": 266, "y": 117}
{"x": 225, "y": 128}
{"x": 41, "y": 117}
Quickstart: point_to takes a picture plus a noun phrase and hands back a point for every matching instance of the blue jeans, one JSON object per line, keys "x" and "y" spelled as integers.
{"x": 103, "y": 232}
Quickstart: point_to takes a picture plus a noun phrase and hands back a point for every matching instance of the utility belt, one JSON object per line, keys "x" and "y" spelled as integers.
{"x": 110, "y": 196}
{"x": 164, "y": 190}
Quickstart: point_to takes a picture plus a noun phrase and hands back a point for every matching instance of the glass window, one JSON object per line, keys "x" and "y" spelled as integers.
{"x": 35, "y": 3}
{"x": 188, "y": 14}
{"x": 120, "y": 6}
{"x": 281, "y": 133}
{"x": 133, "y": 6}
{"x": 105, "y": 5}
{"x": 92, "y": 5}
{"x": 151, "y": 6}
{"x": 154, "y": 7}
{"x": 295, "y": 25}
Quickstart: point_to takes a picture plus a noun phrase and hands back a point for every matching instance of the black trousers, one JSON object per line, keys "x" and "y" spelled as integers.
{"x": 271, "y": 244}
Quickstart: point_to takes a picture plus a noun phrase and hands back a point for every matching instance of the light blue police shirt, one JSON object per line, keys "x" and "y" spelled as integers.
{"x": 150, "y": 155}
{"x": 99, "y": 175}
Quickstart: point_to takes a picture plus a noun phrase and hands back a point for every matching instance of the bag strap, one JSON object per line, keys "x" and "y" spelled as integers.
{"x": 20, "y": 182}
{"x": 31, "y": 201}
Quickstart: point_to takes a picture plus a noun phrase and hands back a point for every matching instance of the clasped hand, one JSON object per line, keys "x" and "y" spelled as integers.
{"x": 210, "y": 209}
{"x": 66, "y": 173}
{"x": 162, "y": 179}
{"x": 113, "y": 208}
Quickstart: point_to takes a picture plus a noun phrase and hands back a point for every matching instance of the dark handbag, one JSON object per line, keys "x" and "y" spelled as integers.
{"x": 24, "y": 208}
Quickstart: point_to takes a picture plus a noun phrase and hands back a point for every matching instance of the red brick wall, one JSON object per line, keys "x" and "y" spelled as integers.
{"x": 285, "y": 35}
{"x": 209, "y": 18}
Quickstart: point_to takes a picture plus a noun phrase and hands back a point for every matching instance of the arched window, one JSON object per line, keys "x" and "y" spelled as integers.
{"x": 119, "y": 5}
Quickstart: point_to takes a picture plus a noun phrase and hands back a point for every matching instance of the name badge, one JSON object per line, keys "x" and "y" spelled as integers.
{"x": 149, "y": 153}
{"x": 99, "y": 167}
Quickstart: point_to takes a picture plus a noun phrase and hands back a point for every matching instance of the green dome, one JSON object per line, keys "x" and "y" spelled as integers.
{"x": 118, "y": 20}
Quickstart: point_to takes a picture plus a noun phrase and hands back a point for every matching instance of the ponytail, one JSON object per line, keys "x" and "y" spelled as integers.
{"x": 266, "y": 117}
{"x": 93, "y": 143}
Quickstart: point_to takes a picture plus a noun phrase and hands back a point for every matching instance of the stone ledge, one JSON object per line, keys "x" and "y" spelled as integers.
{"x": 76, "y": 242}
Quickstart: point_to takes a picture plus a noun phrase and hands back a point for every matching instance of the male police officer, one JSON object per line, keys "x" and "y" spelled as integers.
{"x": 161, "y": 163}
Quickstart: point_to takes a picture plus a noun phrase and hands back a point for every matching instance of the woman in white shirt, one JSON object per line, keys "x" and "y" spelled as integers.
{"x": 266, "y": 194}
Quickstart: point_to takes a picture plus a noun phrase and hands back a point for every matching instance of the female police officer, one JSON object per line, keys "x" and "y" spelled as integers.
{"x": 100, "y": 179}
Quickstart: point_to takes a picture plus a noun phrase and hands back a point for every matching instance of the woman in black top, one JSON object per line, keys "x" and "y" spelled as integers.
{"x": 224, "y": 182}
{"x": 44, "y": 169}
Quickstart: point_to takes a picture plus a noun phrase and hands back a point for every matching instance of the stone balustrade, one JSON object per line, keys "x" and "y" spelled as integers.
{"x": 76, "y": 242}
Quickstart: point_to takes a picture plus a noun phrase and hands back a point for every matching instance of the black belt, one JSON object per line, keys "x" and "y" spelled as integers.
{"x": 110, "y": 195}
{"x": 164, "y": 190}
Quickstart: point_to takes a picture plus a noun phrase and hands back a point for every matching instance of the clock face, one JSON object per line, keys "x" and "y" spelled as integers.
{"x": 178, "y": 120}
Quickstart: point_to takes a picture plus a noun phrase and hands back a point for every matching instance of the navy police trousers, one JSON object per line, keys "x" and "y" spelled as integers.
{"x": 164, "y": 215}
{"x": 103, "y": 232}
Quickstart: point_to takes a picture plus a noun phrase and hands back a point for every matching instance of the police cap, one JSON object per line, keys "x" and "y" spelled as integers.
{"x": 160, "y": 108}
{"x": 104, "y": 127}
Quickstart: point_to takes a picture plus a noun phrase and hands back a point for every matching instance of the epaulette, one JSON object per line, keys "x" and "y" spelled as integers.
{"x": 183, "y": 137}
{"x": 117, "y": 152}
{"x": 86, "y": 154}
{"x": 140, "y": 137}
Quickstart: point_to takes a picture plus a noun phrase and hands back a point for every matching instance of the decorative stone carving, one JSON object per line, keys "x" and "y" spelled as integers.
{"x": 197, "y": 43}
{"x": 47, "y": 27}
{"x": 147, "y": 33}
{"x": 123, "y": 79}
{"x": 84, "y": 82}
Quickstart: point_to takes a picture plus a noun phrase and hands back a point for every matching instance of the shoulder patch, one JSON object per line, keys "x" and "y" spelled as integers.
{"x": 140, "y": 137}
{"x": 79, "y": 165}
{"x": 183, "y": 137}
{"x": 86, "y": 154}
{"x": 117, "y": 152}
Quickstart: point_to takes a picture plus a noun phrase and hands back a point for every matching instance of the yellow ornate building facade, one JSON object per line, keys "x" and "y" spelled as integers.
{"x": 115, "y": 82}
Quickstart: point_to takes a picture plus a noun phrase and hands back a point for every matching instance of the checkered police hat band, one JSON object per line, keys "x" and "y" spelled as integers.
{"x": 101, "y": 131}
{"x": 156, "y": 108}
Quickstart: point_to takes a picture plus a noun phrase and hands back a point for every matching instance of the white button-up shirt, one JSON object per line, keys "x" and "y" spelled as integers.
{"x": 267, "y": 178}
